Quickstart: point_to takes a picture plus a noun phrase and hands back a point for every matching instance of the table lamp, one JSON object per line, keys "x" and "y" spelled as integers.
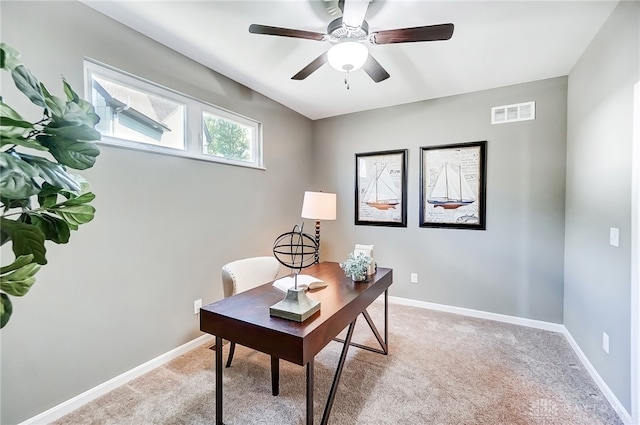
{"x": 319, "y": 206}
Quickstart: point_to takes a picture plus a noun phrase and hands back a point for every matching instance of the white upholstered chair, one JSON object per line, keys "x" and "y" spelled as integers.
{"x": 241, "y": 275}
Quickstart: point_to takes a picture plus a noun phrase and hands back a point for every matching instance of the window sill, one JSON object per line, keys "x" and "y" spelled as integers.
{"x": 163, "y": 150}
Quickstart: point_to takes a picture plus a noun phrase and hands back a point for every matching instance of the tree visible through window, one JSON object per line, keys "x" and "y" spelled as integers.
{"x": 226, "y": 138}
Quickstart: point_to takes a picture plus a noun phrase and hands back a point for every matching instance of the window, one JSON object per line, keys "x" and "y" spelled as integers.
{"x": 138, "y": 114}
{"x": 227, "y": 138}
{"x": 130, "y": 114}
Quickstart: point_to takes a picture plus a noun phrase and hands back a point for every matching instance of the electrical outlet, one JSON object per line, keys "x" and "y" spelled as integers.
{"x": 614, "y": 236}
{"x": 414, "y": 277}
{"x": 605, "y": 342}
{"x": 197, "y": 304}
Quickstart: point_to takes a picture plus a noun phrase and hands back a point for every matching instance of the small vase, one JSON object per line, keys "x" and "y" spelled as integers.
{"x": 359, "y": 278}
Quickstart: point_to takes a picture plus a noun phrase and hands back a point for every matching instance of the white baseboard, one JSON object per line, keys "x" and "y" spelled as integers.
{"x": 70, "y": 405}
{"x": 613, "y": 400}
{"x": 538, "y": 324}
{"x": 554, "y": 327}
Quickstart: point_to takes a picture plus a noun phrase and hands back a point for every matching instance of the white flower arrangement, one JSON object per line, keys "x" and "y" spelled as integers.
{"x": 356, "y": 266}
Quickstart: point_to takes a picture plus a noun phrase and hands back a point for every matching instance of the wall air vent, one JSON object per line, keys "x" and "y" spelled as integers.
{"x": 512, "y": 113}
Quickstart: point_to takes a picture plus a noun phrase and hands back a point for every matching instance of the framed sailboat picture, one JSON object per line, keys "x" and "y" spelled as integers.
{"x": 453, "y": 186}
{"x": 381, "y": 188}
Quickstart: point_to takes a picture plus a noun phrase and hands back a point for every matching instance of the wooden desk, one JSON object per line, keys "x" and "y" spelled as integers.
{"x": 244, "y": 319}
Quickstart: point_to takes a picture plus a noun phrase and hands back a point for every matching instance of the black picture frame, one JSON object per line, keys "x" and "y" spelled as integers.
{"x": 453, "y": 186}
{"x": 381, "y": 188}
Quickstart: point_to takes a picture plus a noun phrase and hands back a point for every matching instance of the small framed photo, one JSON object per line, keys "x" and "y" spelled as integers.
{"x": 381, "y": 188}
{"x": 453, "y": 186}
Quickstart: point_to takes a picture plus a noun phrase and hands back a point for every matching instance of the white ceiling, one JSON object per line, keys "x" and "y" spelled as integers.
{"x": 494, "y": 44}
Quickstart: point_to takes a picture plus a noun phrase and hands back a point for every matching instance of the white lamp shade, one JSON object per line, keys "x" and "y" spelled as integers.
{"x": 347, "y": 56}
{"x": 319, "y": 206}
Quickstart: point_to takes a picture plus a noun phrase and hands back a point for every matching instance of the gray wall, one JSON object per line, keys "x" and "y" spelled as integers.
{"x": 599, "y": 140}
{"x": 122, "y": 291}
{"x": 515, "y": 267}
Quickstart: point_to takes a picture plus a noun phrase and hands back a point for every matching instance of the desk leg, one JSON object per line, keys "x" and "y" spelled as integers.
{"x": 386, "y": 319}
{"x": 384, "y": 343}
{"x": 275, "y": 375}
{"x": 219, "y": 381}
{"x": 336, "y": 377}
{"x": 310, "y": 374}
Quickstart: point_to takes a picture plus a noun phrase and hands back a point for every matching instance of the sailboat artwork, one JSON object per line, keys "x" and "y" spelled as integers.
{"x": 451, "y": 189}
{"x": 453, "y": 186}
{"x": 381, "y": 193}
{"x": 381, "y": 188}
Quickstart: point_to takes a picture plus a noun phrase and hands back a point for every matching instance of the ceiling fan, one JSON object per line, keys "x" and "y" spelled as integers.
{"x": 348, "y": 36}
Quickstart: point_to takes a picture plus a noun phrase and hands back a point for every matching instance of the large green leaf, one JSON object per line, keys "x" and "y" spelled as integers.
{"x": 5, "y": 310}
{"x": 12, "y": 133}
{"x": 75, "y": 215}
{"x": 18, "y": 282}
{"x": 72, "y": 153}
{"x": 51, "y": 172}
{"x": 10, "y": 57}
{"x": 73, "y": 131}
{"x": 48, "y": 195}
{"x": 9, "y": 112}
{"x": 28, "y": 84}
{"x": 55, "y": 229}
{"x": 56, "y": 105}
{"x": 22, "y": 260}
{"x": 12, "y": 125}
{"x": 11, "y": 122}
{"x": 81, "y": 112}
{"x": 72, "y": 96}
{"x": 79, "y": 200}
{"x": 26, "y": 239}
{"x": 20, "y": 141}
{"x": 23, "y": 204}
{"x": 76, "y": 104}
{"x": 16, "y": 177}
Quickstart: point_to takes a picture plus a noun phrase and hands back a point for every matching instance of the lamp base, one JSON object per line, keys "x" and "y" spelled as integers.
{"x": 296, "y": 306}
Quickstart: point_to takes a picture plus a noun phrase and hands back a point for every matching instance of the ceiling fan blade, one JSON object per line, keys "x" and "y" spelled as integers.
{"x": 313, "y": 66}
{"x": 353, "y": 12}
{"x": 285, "y": 32}
{"x": 375, "y": 70}
{"x": 409, "y": 35}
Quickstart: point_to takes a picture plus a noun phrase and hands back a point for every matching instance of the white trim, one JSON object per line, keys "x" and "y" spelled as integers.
{"x": 611, "y": 397}
{"x": 635, "y": 258}
{"x": 538, "y": 324}
{"x": 74, "y": 403}
{"x": 114, "y": 142}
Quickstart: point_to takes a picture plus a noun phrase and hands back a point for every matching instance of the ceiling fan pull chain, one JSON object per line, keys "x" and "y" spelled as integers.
{"x": 346, "y": 81}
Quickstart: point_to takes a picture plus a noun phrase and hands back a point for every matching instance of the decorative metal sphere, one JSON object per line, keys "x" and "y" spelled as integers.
{"x": 295, "y": 249}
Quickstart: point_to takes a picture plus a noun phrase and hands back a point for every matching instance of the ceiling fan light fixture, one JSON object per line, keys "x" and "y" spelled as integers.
{"x": 347, "y": 56}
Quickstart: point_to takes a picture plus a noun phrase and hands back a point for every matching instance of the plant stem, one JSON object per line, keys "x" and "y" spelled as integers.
{"x": 36, "y": 211}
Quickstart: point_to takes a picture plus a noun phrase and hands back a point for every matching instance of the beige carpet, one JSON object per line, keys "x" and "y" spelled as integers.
{"x": 442, "y": 369}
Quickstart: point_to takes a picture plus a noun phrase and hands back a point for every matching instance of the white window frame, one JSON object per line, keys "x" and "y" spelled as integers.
{"x": 194, "y": 108}
{"x": 256, "y": 149}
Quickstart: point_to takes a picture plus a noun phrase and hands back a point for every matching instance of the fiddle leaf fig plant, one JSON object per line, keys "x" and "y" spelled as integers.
{"x": 40, "y": 200}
